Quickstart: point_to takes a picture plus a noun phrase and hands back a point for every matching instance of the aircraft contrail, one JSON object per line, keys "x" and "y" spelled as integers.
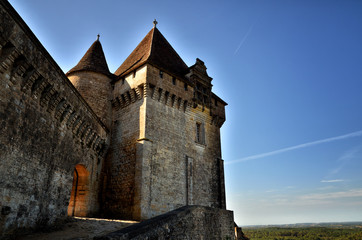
{"x": 244, "y": 39}
{"x": 304, "y": 145}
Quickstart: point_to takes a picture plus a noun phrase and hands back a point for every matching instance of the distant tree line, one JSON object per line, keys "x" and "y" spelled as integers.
{"x": 307, "y": 233}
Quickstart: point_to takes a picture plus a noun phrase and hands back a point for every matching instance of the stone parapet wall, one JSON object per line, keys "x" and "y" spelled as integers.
{"x": 190, "y": 222}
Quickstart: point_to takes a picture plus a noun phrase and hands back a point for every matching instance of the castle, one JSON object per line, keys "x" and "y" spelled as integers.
{"x": 133, "y": 144}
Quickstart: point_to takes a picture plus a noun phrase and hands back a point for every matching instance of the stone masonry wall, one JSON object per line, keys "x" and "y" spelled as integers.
{"x": 95, "y": 88}
{"x": 190, "y": 222}
{"x": 46, "y": 129}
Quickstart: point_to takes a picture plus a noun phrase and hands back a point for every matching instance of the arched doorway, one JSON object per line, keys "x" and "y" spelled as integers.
{"x": 78, "y": 204}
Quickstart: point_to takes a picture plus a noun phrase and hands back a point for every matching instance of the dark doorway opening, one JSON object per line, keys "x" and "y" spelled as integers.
{"x": 78, "y": 204}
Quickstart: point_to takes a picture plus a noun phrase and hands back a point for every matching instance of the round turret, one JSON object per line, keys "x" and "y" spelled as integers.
{"x": 92, "y": 78}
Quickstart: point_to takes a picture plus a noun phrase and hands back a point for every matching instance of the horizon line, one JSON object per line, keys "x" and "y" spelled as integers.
{"x": 302, "y": 223}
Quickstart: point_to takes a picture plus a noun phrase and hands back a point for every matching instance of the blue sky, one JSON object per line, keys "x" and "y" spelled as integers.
{"x": 289, "y": 70}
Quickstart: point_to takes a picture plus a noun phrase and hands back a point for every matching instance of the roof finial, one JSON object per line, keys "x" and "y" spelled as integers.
{"x": 154, "y": 23}
{"x": 98, "y": 37}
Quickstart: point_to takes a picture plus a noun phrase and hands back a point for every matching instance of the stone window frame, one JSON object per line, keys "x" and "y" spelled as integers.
{"x": 200, "y": 133}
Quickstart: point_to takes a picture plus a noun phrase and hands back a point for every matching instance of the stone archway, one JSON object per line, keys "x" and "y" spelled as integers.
{"x": 78, "y": 203}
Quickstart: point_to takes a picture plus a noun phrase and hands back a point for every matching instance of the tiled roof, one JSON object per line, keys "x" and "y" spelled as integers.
{"x": 154, "y": 49}
{"x": 93, "y": 60}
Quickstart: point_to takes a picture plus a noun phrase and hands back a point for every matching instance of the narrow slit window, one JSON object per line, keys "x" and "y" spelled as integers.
{"x": 161, "y": 74}
{"x": 200, "y": 133}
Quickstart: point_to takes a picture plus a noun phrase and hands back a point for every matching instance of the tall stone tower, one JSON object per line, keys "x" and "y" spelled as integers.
{"x": 165, "y": 144}
{"x": 92, "y": 79}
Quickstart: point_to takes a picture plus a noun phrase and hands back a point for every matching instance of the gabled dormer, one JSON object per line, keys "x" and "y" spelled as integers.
{"x": 200, "y": 79}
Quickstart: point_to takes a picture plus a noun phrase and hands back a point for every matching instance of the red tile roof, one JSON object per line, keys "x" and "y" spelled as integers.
{"x": 155, "y": 50}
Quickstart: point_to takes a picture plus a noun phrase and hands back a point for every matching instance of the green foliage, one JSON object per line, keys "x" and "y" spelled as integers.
{"x": 304, "y": 233}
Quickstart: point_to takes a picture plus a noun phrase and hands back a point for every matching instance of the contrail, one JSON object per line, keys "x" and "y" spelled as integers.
{"x": 332, "y": 181}
{"x": 244, "y": 38}
{"x": 304, "y": 145}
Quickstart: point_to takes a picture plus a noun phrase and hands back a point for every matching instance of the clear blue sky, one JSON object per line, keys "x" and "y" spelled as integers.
{"x": 291, "y": 72}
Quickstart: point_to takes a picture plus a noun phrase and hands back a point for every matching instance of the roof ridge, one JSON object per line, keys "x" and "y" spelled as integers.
{"x": 152, "y": 42}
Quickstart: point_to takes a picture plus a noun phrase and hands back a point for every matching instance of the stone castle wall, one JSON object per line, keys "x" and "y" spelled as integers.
{"x": 46, "y": 129}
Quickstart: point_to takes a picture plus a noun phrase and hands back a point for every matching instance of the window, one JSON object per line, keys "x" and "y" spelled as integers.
{"x": 122, "y": 80}
{"x": 200, "y": 133}
{"x": 202, "y": 93}
{"x": 134, "y": 73}
{"x": 173, "y": 80}
{"x": 185, "y": 86}
{"x": 161, "y": 74}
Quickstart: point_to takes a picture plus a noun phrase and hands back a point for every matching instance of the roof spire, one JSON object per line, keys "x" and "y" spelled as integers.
{"x": 98, "y": 37}
{"x": 157, "y": 51}
{"x": 93, "y": 60}
{"x": 155, "y": 23}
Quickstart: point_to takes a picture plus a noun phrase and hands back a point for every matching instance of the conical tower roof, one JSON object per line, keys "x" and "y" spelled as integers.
{"x": 93, "y": 60}
{"x": 156, "y": 50}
